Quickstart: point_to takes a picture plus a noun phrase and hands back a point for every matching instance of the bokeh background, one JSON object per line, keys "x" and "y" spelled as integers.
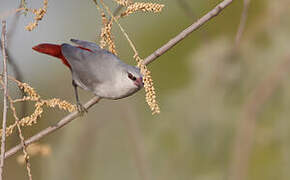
{"x": 224, "y": 108}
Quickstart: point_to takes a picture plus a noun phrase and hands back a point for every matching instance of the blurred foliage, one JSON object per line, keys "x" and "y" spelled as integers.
{"x": 201, "y": 83}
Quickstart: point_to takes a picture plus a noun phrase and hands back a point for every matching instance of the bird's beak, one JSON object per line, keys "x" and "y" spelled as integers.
{"x": 139, "y": 82}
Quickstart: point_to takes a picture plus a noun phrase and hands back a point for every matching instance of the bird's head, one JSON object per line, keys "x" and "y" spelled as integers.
{"x": 134, "y": 77}
{"x": 131, "y": 80}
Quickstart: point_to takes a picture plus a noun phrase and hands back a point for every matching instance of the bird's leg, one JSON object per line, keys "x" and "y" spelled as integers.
{"x": 80, "y": 107}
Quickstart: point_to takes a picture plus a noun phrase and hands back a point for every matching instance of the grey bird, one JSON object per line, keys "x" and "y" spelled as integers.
{"x": 95, "y": 69}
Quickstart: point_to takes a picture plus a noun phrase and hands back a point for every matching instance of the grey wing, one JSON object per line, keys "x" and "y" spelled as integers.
{"x": 89, "y": 45}
{"x": 89, "y": 69}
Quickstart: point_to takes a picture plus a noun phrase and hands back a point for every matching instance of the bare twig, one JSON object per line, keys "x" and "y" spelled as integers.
{"x": 51, "y": 129}
{"x": 19, "y": 76}
{"x": 188, "y": 31}
{"x": 21, "y": 137}
{"x": 242, "y": 24}
{"x": 26, "y": 156}
{"x": 148, "y": 60}
{"x": 22, "y": 140}
{"x": 15, "y": 68}
{"x": 247, "y": 125}
{"x": 5, "y": 104}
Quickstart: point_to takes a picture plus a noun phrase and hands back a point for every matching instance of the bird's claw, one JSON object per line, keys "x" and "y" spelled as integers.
{"x": 81, "y": 109}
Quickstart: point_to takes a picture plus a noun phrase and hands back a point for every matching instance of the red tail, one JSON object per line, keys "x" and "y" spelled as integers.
{"x": 53, "y": 50}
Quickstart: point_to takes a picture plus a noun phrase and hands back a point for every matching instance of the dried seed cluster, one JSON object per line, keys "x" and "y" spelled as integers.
{"x": 107, "y": 38}
{"x": 39, "y": 13}
{"x": 33, "y": 96}
{"x": 39, "y": 103}
{"x": 32, "y": 119}
{"x": 148, "y": 86}
{"x": 124, "y": 2}
{"x": 20, "y": 135}
{"x": 145, "y": 7}
{"x": 64, "y": 105}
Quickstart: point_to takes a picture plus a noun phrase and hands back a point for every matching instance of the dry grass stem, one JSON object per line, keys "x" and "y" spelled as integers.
{"x": 147, "y": 79}
{"x": 39, "y": 13}
{"x": 107, "y": 38}
{"x": 32, "y": 119}
{"x": 5, "y": 97}
{"x": 242, "y": 24}
{"x": 104, "y": 30}
{"x": 148, "y": 86}
{"x": 145, "y": 7}
{"x": 39, "y": 103}
{"x": 35, "y": 149}
{"x": 21, "y": 137}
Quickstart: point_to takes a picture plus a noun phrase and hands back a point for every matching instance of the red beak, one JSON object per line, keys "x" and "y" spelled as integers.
{"x": 139, "y": 82}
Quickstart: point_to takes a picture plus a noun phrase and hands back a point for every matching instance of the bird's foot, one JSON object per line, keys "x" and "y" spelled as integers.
{"x": 81, "y": 109}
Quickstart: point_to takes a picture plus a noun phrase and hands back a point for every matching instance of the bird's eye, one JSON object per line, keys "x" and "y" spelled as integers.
{"x": 133, "y": 78}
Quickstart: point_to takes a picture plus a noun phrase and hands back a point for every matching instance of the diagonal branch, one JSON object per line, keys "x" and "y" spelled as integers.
{"x": 148, "y": 60}
{"x": 211, "y": 14}
{"x": 5, "y": 103}
{"x": 67, "y": 119}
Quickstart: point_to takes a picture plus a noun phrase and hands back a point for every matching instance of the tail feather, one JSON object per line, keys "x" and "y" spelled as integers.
{"x": 52, "y": 50}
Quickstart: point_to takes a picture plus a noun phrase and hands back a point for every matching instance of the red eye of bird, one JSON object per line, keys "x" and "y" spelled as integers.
{"x": 133, "y": 78}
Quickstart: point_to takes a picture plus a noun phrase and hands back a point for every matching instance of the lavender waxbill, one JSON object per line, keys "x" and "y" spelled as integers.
{"x": 95, "y": 69}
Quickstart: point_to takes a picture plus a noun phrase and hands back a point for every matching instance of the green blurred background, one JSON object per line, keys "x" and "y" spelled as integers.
{"x": 224, "y": 111}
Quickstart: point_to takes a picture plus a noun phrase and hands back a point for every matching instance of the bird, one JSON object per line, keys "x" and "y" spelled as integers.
{"x": 95, "y": 69}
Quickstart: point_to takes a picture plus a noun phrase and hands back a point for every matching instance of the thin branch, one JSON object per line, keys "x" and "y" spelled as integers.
{"x": 247, "y": 125}
{"x": 214, "y": 12}
{"x": 148, "y": 60}
{"x": 243, "y": 21}
{"x": 5, "y": 104}
{"x": 51, "y": 129}
{"x": 185, "y": 6}
{"x": 11, "y": 61}
{"x": 22, "y": 140}
{"x": 20, "y": 135}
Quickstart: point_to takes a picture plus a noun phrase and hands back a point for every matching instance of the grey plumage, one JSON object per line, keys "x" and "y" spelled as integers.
{"x": 100, "y": 71}
{"x": 86, "y": 44}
